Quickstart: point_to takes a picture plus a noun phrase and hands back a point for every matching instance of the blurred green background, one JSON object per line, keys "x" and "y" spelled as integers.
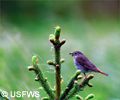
{"x": 91, "y": 26}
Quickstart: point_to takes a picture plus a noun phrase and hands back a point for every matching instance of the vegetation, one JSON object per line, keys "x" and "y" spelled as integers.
{"x": 73, "y": 86}
{"x": 92, "y": 27}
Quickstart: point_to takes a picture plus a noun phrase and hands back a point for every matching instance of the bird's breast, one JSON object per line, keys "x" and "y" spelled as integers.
{"x": 79, "y": 66}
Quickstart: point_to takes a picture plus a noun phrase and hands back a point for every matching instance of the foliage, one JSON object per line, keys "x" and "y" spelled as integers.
{"x": 73, "y": 86}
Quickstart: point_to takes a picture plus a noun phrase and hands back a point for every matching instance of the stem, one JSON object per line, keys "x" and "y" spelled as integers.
{"x": 58, "y": 71}
{"x": 42, "y": 80}
{"x": 54, "y": 39}
{"x": 79, "y": 87}
{"x": 70, "y": 85}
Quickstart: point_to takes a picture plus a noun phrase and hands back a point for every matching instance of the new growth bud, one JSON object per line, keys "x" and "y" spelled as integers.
{"x": 35, "y": 60}
{"x": 49, "y": 62}
{"x": 30, "y": 68}
{"x": 78, "y": 97}
{"x": 79, "y": 77}
{"x": 90, "y": 96}
{"x": 57, "y": 32}
{"x": 78, "y": 72}
{"x": 62, "y": 60}
{"x": 51, "y": 37}
{"x": 45, "y": 98}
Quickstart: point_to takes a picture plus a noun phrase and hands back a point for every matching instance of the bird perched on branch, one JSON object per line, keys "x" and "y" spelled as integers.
{"x": 84, "y": 64}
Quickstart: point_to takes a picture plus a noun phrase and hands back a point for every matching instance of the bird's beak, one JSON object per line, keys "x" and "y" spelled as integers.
{"x": 71, "y": 53}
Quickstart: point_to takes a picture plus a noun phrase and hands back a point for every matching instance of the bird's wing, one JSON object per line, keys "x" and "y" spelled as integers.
{"x": 84, "y": 61}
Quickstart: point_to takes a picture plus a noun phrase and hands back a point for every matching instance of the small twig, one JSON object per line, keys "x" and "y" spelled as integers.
{"x": 62, "y": 42}
{"x": 49, "y": 62}
{"x": 39, "y": 77}
{"x": 70, "y": 85}
{"x": 79, "y": 87}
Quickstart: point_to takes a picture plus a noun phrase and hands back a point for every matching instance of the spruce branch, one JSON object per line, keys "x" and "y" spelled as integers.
{"x": 70, "y": 85}
{"x": 39, "y": 77}
{"x": 74, "y": 85}
{"x": 79, "y": 87}
{"x": 55, "y": 40}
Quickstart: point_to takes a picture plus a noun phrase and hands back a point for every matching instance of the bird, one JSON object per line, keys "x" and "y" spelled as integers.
{"x": 84, "y": 64}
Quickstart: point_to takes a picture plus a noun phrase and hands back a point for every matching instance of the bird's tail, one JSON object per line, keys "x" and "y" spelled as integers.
{"x": 102, "y": 72}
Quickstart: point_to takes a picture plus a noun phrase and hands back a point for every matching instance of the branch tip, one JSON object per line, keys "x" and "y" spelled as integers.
{"x": 78, "y": 97}
{"x": 49, "y": 62}
{"x": 45, "y": 98}
{"x": 57, "y": 32}
{"x": 31, "y": 68}
{"x": 52, "y": 41}
{"x": 62, "y": 42}
{"x": 62, "y": 60}
{"x": 78, "y": 72}
{"x": 36, "y": 79}
{"x": 46, "y": 79}
{"x": 90, "y": 96}
{"x": 79, "y": 77}
{"x": 35, "y": 60}
{"x": 90, "y": 76}
{"x": 90, "y": 85}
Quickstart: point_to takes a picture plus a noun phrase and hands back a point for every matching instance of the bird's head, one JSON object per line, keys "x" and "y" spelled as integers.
{"x": 76, "y": 53}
